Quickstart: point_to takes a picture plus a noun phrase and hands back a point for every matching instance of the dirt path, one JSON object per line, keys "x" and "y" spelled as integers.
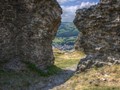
{"x": 69, "y": 72}
{"x": 54, "y": 82}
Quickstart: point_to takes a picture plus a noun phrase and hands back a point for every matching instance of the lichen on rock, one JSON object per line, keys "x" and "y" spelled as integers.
{"x": 99, "y": 36}
{"x": 27, "y": 28}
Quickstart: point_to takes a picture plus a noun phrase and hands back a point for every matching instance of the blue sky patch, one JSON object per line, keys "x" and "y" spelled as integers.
{"x": 70, "y": 6}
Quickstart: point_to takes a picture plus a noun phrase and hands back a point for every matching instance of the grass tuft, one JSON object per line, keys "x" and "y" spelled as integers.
{"x": 104, "y": 88}
{"x": 50, "y": 70}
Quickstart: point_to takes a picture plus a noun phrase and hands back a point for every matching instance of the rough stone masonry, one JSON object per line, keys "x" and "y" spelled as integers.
{"x": 27, "y": 28}
{"x": 99, "y": 36}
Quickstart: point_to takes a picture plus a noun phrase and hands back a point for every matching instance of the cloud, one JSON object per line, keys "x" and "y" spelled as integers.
{"x": 69, "y": 11}
{"x": 86, "y": 4}
{"x": 64, "y": 1}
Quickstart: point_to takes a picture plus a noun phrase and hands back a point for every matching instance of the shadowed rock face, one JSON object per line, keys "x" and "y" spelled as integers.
{"x": 27, "y": 28}
{"x": 99, "y": 36}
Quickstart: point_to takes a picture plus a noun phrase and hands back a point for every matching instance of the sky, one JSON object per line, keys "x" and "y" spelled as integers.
{"x": 70, "y": 6}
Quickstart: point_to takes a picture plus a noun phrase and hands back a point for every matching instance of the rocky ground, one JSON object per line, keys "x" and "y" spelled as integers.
{"x": 31, "y": 80}
{"x": 105, "y": 78}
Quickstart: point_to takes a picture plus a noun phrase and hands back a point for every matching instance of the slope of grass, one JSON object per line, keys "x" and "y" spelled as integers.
{"x": 105, "y": 78}
{"x": 67, "y": 59}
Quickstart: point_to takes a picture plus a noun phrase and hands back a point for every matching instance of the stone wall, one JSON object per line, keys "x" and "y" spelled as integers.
{"x": 99, "y": 36}
{"x": 27, "y": 28}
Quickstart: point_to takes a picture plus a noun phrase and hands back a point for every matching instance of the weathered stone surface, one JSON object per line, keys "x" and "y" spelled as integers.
{"x": 100, "y": 34}
{"x": 27, "y": 28}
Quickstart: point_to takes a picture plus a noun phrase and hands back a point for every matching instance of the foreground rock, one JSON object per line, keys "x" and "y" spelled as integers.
{"x": 27, "y": 28}
{"x": 100, "y": 34}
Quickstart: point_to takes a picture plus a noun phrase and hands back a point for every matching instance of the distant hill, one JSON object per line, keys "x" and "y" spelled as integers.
{"x": 67, "y": 29}
{"x": 66, "y": 36}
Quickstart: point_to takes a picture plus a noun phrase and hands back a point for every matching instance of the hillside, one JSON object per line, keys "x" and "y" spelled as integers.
{"x": 105, "y": 78}
{"x": 66, "y": 36}
{"x": 62, "y": 77}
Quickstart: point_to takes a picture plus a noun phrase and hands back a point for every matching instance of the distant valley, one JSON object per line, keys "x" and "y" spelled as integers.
{"x": 66, "y": 36}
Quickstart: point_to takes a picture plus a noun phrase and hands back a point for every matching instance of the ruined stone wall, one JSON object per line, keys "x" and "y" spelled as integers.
{"x": 27, "y": 28}
{"x": 99, "y": 36}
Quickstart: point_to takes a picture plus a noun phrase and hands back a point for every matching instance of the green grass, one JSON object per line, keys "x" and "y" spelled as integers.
{"x": 50, "y": 70}
{"x": 66, "y": 63}
{"x": 67, "y": 59}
